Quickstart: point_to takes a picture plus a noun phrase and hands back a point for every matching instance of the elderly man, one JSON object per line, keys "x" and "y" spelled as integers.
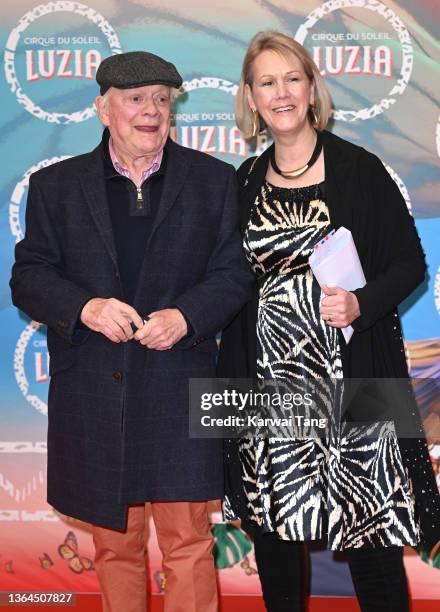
{"x": 133, "y": 260}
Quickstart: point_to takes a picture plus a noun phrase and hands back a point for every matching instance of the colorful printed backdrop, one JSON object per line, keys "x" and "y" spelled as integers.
{"x": 380, "y": 61}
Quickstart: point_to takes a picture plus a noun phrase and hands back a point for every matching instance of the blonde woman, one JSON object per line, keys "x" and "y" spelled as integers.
{"x": 366, "y": 498}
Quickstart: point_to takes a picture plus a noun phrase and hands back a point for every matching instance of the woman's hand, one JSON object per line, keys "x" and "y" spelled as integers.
{"x": 339, "y": 308}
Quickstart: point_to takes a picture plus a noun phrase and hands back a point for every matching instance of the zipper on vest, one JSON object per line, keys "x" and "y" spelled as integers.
{"x": 139, "y": 198}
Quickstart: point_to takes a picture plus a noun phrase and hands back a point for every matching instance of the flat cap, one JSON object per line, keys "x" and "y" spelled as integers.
{"x": 135, "y": 69}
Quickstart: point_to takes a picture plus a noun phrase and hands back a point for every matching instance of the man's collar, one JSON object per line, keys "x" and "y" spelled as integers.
{"x": 113, "y": 168}
{"x": 121, "y": 169}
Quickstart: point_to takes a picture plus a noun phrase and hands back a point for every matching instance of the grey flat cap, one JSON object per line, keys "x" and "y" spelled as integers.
{"x": 134, "y": 69}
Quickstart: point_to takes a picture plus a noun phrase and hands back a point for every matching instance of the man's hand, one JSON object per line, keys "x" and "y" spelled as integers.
{"x": 340, "y": 307}
{"x": 163, "y": 329}
{"x": 111, "y": 317}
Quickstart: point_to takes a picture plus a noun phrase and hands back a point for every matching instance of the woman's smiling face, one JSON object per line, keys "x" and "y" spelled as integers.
{"x": 281, "y": 92}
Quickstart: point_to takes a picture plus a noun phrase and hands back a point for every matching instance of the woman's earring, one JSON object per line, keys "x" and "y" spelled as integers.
{"x": 314, "y": 115}
{"x": 255, "y": 125}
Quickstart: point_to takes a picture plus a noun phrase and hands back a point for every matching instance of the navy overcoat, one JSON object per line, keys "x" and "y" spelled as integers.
{"x": 118, "y": 413}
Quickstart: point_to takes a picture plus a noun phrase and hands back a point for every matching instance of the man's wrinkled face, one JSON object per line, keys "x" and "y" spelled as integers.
{"x": 138, "y": 118}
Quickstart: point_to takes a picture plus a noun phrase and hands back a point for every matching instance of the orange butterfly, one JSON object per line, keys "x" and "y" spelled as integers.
{"x": 69, "y": 552}
{"x": 45, "y": 561}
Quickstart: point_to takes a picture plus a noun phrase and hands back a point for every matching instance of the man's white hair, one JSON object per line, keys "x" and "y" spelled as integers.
{"x": 106, "y": 96}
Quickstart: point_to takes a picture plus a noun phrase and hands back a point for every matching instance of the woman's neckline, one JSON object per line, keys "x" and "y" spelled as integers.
{"x": 272, "y": 186}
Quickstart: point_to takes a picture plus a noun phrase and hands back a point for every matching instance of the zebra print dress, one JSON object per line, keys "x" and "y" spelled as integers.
{"x": 348, "y": 489}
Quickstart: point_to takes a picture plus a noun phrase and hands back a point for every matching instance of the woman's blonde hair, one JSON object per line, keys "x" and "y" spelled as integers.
{"x": 250, "y": 123}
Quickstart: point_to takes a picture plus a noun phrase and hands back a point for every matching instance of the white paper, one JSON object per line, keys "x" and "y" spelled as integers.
{"x": 335, "y": 262}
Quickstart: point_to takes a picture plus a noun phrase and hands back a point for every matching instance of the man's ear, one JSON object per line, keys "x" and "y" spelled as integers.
{"x": 101, "y": 107}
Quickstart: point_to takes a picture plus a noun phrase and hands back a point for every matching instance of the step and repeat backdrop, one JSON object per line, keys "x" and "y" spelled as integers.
{"x": 381, "y": 62}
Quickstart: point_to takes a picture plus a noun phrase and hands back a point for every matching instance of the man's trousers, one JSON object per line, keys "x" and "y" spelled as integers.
{"x": 185, "y": 540}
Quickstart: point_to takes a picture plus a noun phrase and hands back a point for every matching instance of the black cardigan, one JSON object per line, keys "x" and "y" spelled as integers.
{"x": 361, "y": 196}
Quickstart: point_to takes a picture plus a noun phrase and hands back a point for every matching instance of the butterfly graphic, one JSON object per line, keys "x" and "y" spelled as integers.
{"x": 248, "y": 570}
{"x": 45, "y": 561}
{"x": 69, "y": 551}
{"x": 8, "y": 567}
